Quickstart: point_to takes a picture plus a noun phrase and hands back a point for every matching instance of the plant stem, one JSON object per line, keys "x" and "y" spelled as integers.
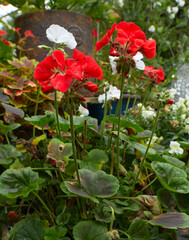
{"x": 85, "y": 139}
{"x": 45, "y": 206}
{"x": 149, "y": 184}
{"x": 57, "y": 119}
{"x": 73, "y": 146}
{"x": 145, "y": 155}
{"x": 123, "y": 233}
{"x": 36, "y": 107}
{"x": 113, "y": 217}
{"x": 104, "y": 118}
{"x": 119, "y": 120}
{"x": 127, "y": 106}
{"x": 7, "y": 139}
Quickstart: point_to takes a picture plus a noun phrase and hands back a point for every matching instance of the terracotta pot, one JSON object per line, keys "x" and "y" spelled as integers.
{"x": 38, "y": 21}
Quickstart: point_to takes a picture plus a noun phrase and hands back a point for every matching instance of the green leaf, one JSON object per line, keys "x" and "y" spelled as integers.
{"x": 172, "y": 220}
{"x": 89, "y": 230}
{"x": 4, "y": 129}
{"x": 171, "y": 177}
{"x": 40, "y": 120}
{"x": 141, "y": 148}
{"x": 166, "y": 198}
{"x": 55, "y": 232}
{"x": 30, "y": 228}
{"x": 138, "y": 230}
{"x": 94, "y": 160}
{"x": 94, "y": 184}
{"x": 8, "y": 153}
{"x": 15, "y": 183}
{"x": 124, "y": 123}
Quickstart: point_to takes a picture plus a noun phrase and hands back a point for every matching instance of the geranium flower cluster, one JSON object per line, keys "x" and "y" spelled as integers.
{"x": 56, "y": 73}
{"x": 130, "y": 41}
{"x": 155, "y": 75}
{"x": 111, "y": 94}
{"x": 3, "y": 33}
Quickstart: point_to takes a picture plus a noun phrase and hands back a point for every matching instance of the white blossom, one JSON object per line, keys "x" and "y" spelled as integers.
{"x": 58, "y": 34}
{"x": 113, "y": 64}
{"x": 148, "y": 113}
{"x": 154, "y": 139}
{"x": 181, "y": 102}
{"x": 175, "y": 10}
{"x": 112, "y": 94}
{"x": 120, "y": 3}
{"x": 152, "y": 29}
{"x": 175, "y": 148}
{"x": 169, "y": 9}
{"x": 83, "y": 111}
{"x": 172, "y": 16}
{"x": 181, "y": 3}
{"x": 172, "y": 92}
{"x": 157, "y": 4}
{"x": 139, "y": 63}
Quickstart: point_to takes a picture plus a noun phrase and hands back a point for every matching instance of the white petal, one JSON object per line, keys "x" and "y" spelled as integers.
{"x": 113, "y": 64}
{"x": 138, "y": 56}
{"x": 140, "y": 65}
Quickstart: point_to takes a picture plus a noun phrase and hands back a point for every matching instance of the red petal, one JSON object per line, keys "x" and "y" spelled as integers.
{"x": 61, "y": 82}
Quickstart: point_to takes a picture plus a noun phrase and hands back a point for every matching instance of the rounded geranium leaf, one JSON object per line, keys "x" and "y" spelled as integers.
{"x": 94, "y": 184}
{"x": 172, "y": 178}
{"x": 15, "y": 183}
{"x": 90, "y": 230}
{"x": 30, "y": 228}
{"x": 8, "y": 153}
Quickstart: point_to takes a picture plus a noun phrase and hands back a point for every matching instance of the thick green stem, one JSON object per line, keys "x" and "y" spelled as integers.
{"x": 57, "y": 119}
{"x": 113, "y": 218}
{"x": 119, "y": 121}
{"x": 145, "y": 155}
{"x": 44, "y": 205}
{"x": 73, "y": 147}
{"x": 36, "y": 107}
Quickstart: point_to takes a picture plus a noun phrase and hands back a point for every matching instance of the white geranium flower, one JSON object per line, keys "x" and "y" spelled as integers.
{"x": 169, "y": 9}
{"x": 187, "y": 120}
{"x": 58, "y": 34}
{"x": 154, "y": 139}
{"x": 175, "y": 148}
{"x": 84, "y": 111}
{"x": 181, "y": 3}
{"x": 157, "y": 4}
{"x": 120, "y": 3}
{"x": 175, "y": 10}
{"x": 174, "y": 107}
{"x": 152, "y": 29}
{"x": 113, "y": 64}
{"x": 113, "y": 93}
{"x": 139, "y": 63}
{"x": 148, "y": 114}
{"x": 180, "y": 102}
{"x": 183, "y": 116}
{"x": 172, "y": 16}
{"x": 186, "y": 129}
{"x": 172, "y": 92}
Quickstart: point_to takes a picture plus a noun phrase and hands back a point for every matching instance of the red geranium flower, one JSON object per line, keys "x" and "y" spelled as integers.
{"x": 156, "y": 74}
{"x": 170, "y": 101}
{"x": 17, "y": 30}
{"x": 86, "y": 66}
{"x": 106, "y": 38}
{"x": 91, "y": 87}
{"x": 2, "y": 33}
{"x": 94, "y": 33}
{"x": 130, "y": 34}
{"x": 28, "y": 33}
{"x": 5, "y": 41}
{"x": 53, "y": 72}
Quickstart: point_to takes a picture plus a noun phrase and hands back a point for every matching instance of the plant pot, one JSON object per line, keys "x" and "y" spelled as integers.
{"x": 97, "y": 111}
{"x": 38, "y": 21}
